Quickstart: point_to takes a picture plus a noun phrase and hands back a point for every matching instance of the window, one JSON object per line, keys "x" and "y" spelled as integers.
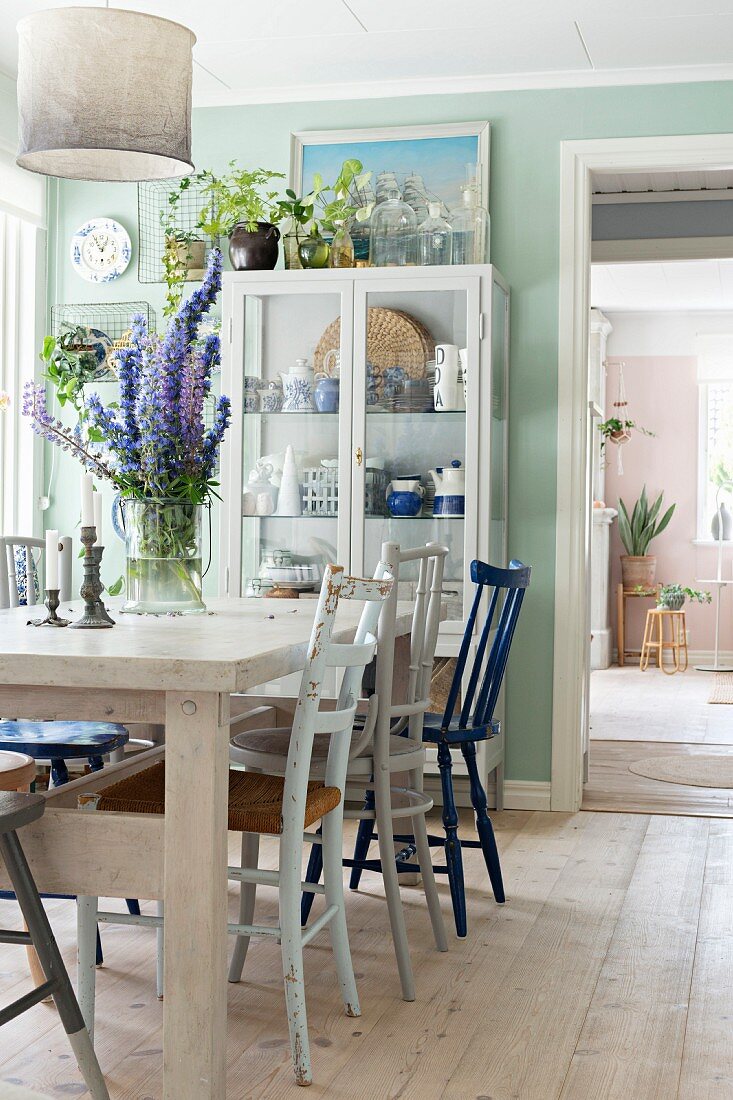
{"x": 22, "y": 301}
{"x": 716, "y": 448}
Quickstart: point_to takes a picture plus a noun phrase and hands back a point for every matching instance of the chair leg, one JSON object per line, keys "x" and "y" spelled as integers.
{"x": 59, "y": 773}
{"x": 313, "y": 874}
{"x": 53, "y": 965}
{"x": 383, "y": 811}
{"x": 332, "y": 831}
{"x": 364, "y": 837}
{"x": 86, "y": 973}
{"x": 247, "y": 896}
{"x": 292, "y": 960}
{"x": 483, "y": 822}
{"x": 453, "y": 855}
{"x": 425, "y": 859}
{"x": 160, "y": 952}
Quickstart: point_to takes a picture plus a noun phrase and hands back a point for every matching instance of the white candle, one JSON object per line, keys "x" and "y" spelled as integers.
{"x": 87, "y": 501}
{"x": 98, "y": 516}
{"x": 52, "y": 559}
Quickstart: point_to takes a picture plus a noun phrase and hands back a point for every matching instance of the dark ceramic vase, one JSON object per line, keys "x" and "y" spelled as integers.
{"x": 255, "y": 251}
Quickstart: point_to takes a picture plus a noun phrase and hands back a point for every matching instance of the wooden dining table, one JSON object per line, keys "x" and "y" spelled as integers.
{"x": 179, "y": 671}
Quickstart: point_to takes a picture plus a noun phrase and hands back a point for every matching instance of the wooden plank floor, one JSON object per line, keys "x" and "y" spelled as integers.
{"x": 611, "y": 786}
{"x": 607, "y": 976}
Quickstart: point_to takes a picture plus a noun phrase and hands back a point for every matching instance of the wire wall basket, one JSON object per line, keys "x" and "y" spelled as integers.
{"x": 152, "y": 205}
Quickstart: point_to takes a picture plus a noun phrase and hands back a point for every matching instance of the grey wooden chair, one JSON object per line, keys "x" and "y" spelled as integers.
{"x": 17, "y": 810}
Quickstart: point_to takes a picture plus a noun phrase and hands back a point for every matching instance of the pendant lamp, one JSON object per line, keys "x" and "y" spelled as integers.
{"x": 104, "y": 94}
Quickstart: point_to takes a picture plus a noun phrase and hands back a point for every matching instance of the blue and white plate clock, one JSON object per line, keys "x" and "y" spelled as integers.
{"x": 100, "y": 250}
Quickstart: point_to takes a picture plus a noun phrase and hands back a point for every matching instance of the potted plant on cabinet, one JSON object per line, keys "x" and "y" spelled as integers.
{"x": 671, "y": 597}
{"x": 315, "y": 212}
{"x": 240, "y": 205}
{"x": 637, "y": 531}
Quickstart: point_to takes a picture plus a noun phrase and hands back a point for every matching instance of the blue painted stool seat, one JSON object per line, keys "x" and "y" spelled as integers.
{"x": 454, "y": 733}
{"x": 59, "y": 742}
{"x": 69, "y": 740}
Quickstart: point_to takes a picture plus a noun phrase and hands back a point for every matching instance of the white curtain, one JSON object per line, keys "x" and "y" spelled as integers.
{"x": 22, "y": 302}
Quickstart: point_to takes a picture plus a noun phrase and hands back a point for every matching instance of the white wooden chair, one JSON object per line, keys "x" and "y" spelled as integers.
{"x": 9, "y": 589}
{"x": 387, "y": 746}
{"x": 278, "y": 806}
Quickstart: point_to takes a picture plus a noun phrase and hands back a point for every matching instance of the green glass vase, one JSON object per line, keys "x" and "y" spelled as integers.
{"x": 313, "y": 251}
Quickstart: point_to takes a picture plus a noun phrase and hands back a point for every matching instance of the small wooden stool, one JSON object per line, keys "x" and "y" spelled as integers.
{"x": 17, "y": 771}
{"x": 655, "y": 625}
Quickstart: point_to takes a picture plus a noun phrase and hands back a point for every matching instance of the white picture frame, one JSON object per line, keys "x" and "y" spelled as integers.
{"x": 308, "y": 146}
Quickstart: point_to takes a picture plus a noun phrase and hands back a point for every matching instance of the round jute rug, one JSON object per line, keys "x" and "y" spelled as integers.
{"x": 703, "y": 769}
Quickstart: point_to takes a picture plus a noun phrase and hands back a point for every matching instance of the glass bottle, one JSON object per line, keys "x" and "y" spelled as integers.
{"x": 342, "y": 247}
{"x": 434, "y": 238}
{"x": 471, "y": 230}
{"x": 394, "y": 233}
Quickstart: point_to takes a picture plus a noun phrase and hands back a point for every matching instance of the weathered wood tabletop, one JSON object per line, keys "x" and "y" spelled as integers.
{"x": 178, "y": 670}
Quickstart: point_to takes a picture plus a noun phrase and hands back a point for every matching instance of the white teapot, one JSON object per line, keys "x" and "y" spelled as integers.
{"x": 298, "y": 387}
{"x": 450, "y": 490}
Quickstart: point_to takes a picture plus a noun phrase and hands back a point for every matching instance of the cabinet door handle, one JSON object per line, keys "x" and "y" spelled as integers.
{"x": 358, "y": 455}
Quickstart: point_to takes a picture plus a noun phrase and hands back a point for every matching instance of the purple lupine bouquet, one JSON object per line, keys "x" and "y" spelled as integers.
{"x": 154, "y": 444}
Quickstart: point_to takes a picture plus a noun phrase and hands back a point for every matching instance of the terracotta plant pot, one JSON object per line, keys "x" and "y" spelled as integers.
{"x": 638, "y": 571}
{"x": 255, "y": 251}
{"x": 193, "y": 256}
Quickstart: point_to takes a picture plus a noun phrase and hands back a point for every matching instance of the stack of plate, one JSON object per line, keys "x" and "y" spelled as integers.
{"x": 428, "y": 502}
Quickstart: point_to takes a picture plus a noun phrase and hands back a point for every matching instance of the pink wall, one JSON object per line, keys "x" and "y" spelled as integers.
{"x": 662, "y": 393}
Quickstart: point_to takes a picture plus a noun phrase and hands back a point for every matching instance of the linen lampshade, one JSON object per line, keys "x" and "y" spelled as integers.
{"x": 104, "y": 94}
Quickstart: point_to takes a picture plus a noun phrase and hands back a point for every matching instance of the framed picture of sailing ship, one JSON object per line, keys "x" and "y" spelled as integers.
{"x": 425, "y": 163}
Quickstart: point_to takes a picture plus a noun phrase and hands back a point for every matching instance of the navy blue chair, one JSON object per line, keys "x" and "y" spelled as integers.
{"x": 504, "y": 589}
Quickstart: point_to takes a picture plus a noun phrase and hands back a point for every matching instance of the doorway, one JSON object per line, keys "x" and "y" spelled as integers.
{"x": 571, "y": 676}
{"x": 664, "y": 434}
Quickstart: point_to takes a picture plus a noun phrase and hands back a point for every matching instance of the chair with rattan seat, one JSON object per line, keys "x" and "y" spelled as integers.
{"x": 282, "y": 806}
{"x": 386, "y": 745}
{"x": 16, "y": 811}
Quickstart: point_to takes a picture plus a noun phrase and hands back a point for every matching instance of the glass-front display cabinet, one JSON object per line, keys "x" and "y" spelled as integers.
{"x": 367, "y": 406}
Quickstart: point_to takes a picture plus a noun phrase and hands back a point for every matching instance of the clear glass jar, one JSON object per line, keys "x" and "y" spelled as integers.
{"x": 342, "y": 247}
{"x": 434, "y": 239}
{"x": 471, "y": 226}
{"x": 394, "y": 233}
{"x": 164, "y": 562}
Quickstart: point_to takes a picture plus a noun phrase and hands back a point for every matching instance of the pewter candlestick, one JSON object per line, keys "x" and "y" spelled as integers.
{"x": 52, "y": 603}
{"x": 95, "y": 614}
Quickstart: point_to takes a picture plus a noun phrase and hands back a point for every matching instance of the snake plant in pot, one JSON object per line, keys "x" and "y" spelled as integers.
{"x": 638, "y": 568}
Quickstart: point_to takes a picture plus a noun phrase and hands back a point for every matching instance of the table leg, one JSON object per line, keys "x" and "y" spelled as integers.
{"x": 195, "y": 930}
{"x": 620, "y": 624}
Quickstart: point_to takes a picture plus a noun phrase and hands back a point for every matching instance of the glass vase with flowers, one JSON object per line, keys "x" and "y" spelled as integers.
{"x": 154, "y": 446}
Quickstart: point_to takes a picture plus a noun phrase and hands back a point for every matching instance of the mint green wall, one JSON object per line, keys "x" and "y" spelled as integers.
{"x": 527, "y": 128}
{"x": 8, "y": 112}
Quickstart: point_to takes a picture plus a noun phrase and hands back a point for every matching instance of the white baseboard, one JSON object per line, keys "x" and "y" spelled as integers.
{"x": 525, "y": 794}
{"x": 696, "y": 657}
{"x": 519, "y": 794}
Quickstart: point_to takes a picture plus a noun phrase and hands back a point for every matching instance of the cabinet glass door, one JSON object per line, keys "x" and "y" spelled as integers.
{"x": 295, "y": 390}
{"x": 415, "y": 445}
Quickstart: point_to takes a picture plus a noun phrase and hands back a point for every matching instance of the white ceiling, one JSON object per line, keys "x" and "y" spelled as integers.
{"x": 332, "y": 49}
{"x": 635, "y": 183}
{"x": 663, "y": 287}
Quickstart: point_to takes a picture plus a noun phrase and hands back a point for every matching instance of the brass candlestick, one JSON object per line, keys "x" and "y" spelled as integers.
{"x": 95, "y": 614}
{"x": 52, "y": 603}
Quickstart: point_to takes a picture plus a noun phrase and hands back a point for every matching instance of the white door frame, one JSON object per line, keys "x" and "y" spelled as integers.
{"x": 579, "y": 159}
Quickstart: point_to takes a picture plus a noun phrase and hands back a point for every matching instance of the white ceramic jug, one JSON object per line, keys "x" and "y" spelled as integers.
{"x": 450, "y": 490}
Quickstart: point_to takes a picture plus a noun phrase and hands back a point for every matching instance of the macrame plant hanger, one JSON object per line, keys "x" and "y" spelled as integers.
{"x": 621, "y": 406}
